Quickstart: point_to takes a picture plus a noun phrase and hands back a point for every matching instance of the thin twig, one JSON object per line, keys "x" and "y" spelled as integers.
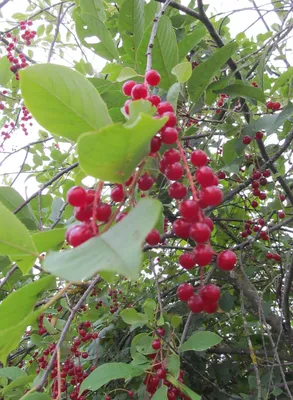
{"x": 8, "y": 275}
{"x": 21, "y": 167}
{"x": 58, "y": 22}
{"x": 152, "y": 267}
{"x": 285, "y": 300}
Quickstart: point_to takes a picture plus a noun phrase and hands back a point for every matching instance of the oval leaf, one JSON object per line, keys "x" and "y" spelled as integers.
{"x": 182, "y": 71}
{"x": 245, "y": 91}
{"x": 131, "y": 316}
{"x": 62, "y": 100}
{"x": 117, "y": 250}
{"x": 200, "y": 341}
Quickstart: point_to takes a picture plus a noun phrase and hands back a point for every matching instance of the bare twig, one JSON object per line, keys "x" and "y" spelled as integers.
{"x": 4, "y": 2}
{"x": 285, "y": 300}
{"x": 8, "y": 275}
{"x": 58, "y": 22}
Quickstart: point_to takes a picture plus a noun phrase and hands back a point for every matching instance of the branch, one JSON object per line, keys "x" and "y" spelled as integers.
{"x": 242, "y": 352}
{"x": 4, "y": 2}
{"x": 8, "y": 275}
{"x": 58, "y": 22}
{"x": 18, "y": 51}
{"x": 55, "y": 178}
{"x": 285, "y": 300}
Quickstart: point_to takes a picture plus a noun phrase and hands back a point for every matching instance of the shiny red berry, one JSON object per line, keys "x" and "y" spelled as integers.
{"x": 226, "y": 260}
{"x": 152, "y": 77}
{"x": 127, "y": 87}
{"x": 198, "y": 158}
{"x": 185, "y": 291}
{"x": 76, "y": 196}
{"x": 139, "y": 91}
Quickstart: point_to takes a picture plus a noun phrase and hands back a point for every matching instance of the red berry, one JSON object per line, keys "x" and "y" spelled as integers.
{"x": 153, "y": 237}
{"x": 127, "y": 87}
{"x": 161, "y": 331}
{"x": 155, "y": 100}
{"x": 164, "y": 107}
{"x": 185, "y": 291}
{"x": 198, "y": 158}
{"x": 254, "y": 204}
{"x": 270, "y": 105}
{"x": 155, "y": 144}
{"x": 171, "y": 121}
{"x": 282, "y": 197}
{"x": 156, "y": 344}
{"x": 221, "y": 175}
{"x": 103, "y": 212}
{"x": 205, "y": 176}
{"x": 226, "y": 260}
{"x": 200, "y": 232}
{"x": 195, "y": 304}
{"x": 76, "y": 196}
{"x": 187, "y": 260}
{"x": 246, "y": 140}
{"x": 90, "y": 196}
{"x": 211, "y": 196}
{"x": 258, "y": 135}
{"x": 266, "y": 173}
{"x": 203, "y": 254}
{"x": 189, "y": 209}
{"x": 117, "y": 193}
{"x": 83, "y": 213}
{"x": 276, "y": 106}
{"x": 139, "y": 91}
{"x": 84, "y": 354}
{"x": 161, "y": 373}
{"x": 79, "y": 234}
{"x": 210, "y": 293}
{"x": 174, "y": 172}
{"x": 210, "y": 308}
{"x": 177, "y": 190}
{"x": 171, "y": 156}
{"x": 169, "y": 135}
{"x": 209, "y": 222}
{"x": 181, "y": 228}
{"x": 126, "y": 106}
{"x": 145, "y": 182}
{"x": 152, "y": 77}
{"x": 281, "y": 214}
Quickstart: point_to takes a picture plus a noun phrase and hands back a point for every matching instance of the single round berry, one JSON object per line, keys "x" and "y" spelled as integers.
{"x": 103, "y": 212}
{"x": 258, "y": 135}
{"x": 185, "y": 291}
{"x": 139, "y": 91}
{"x": 174, "y": 172}
{"x": 181, "y": 228}
{"x": 145, "y": 182}
{"x": 169, "y": 135}
{"x": 161, "y": 373}
{"x": 84, "y": 354}
{"x": 209, "y": 222}
{"x": 83, "y": 213}
{"x": 154, "y": 99}
{"x": 246, "y": 140}
{"x": 127, "y": 87}
{"x": 276, "y": 106}
{"x": 152, "y": 77}
{"x": 254, "y": 203}
{"x": 164, "y": 107}
{"x": 171, "y": 156}
{"x": 282, "y": 197}
{"x": 281, "y": 214}
{"x": 211, "y": 196}
{"x": 117, "y": 193}
{"x": 156, "y": 344}
{"x": 210, "y": 308}
{"x": 76, "y": 196}
{"x": 266, "y": 173}
{"x": 156, "y": 143}
{"x": 198, "y": 158}
{"x": 153, "y": 238}
{"x": 270, "y": 105}
{"x": 171, "y": 121}
{"x": 177, "y": 190}
{"x": 205, "y": 176}
{"x": 187, "y": 260}
{"x": 210, "y": 293}
{"x": 200, "y": 232}
{"x": 226, "y": 260}
{"x": 79, "y": 234}
{"x": 189, "y": 210}
{"x": 203, "y": 254}
{"x": 195, "y": 304}
{"x": 90, "y": 196}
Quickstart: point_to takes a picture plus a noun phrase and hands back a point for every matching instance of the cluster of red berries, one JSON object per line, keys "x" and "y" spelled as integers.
{"x": 248, "y": 139}
{"x": 274, "y": 106}
{"x": 28, "y": 34}
{"x": 221, "y": 102}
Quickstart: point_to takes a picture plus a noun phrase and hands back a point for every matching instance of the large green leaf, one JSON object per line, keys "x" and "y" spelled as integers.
{"x": 131, "y": 25}
{"x": 229, "y": 152}
{"x": 205, "y": 72}
{"x": 200, "y": 341}
{"x": 245, "y": 91}
{"x": 117, "y": 250}
{"x": 164, "y": 54}
{"x": 108, "y": 372}
{"x": 20, "y": 381}
{"x": 281, "y": 118}
{"x": 5, "y": 73}
{"x": 12, "y": 200}
{"x": 131, "y": 316}
{"x": 14, "y": 237}
{"x": 112, "y": 153}
{"x": 161, "y": 393}
{"x": 182, "y": 71}
{"x": 191, "y": 40}
{"x": 62, "y": 100}
{"x": 93, "y": 7}
{"x": 284, "y": 78}
{"x": 12, "y": 372}
{"x": 89, "y": 26}
{"x": 16, "y": 313}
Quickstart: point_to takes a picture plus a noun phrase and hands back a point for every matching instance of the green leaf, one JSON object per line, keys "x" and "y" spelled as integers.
{"x": 182, "y": 71}
{"x": 191, "y": 40}
{"x": 62, "y": 100}
{"x": 108, "y": 372}
{"x": 94, "y": 7}
{"x": 284, "y": 78}
{"x": 12, "y": 200}
{"x": 227, "y": 301}
{"x": 125, "y": 74}
{"x": 117, "y": 250}
{"x": 164, "y": 54}
{"x": 149, "y": 307}
{"x": 90, "y": 26}
{"x": 16, "y": 313}
{"x": 183, "y": 388}
{"x": 176, "y": 321}
{"x": 200, "y": 341}
{"x": 5, "y": 73}
{"x": 12, "y": 372}
{"x": 20, "y": 381}
{"x": 173, "y": 94}
{"x": 14, "y": 237}
{"x": 174, "y": 365}
{"x": 245, "y": 91}
{"x": 205, "y": 72}
{"x": 112, "y": 153}
{"x": 281, "y": 118}
{"x": 229, "y": 152}
{"x": 131, "y": 25}
{"x": 131, "y": 316}
{"x": 37, "y": 396}
{"x": 161, "y": 393}
{"x": 266, "y": 122}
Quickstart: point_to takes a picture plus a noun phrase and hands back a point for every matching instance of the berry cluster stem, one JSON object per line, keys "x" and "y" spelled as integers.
{"x": 188, "y": 173}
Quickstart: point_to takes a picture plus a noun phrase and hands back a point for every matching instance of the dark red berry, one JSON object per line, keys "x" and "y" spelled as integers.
{"x": 185, "y": 291}
{"x": 117, "y": 193}
{"x": 203, "y": 254}
{"x": 76, "y": 196}
{"x": 198, "y": 158}
{"x": 139, "y": 91}
{"x": 200, "y": 232}
{"x": 153, "y": 237}
{"x": 145, "y": 182}
{"x": 181, "y": 228}
{"x": 210, "y": 293}
{"x": 189, "y": 210}
{"x": 127, "y": 87}
{"x": 169, "y": 135}
{"x": 195, "y": 304}
{"x": 187, "y": 260}
{"x": 152, "y": 77}
{"x": 226, "y": 260}
{"x": 177, "y": 190}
